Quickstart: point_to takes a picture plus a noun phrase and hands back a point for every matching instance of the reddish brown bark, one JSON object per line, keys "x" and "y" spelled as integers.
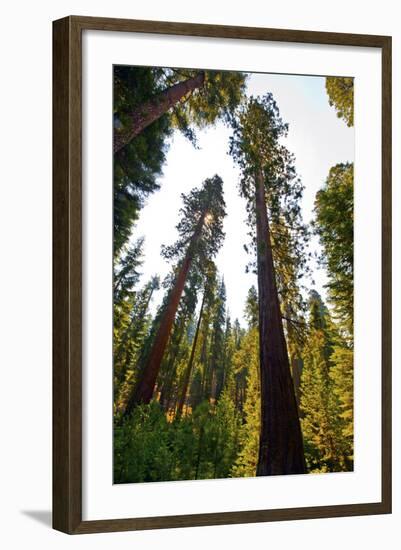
{"x": 281, "y": 445}
{"x": 153, "y": 109}
{"x": 188, "y": 370}
{"x": 144, "y": 389}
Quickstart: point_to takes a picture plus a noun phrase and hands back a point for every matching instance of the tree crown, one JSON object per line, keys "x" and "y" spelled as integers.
{"x": 202, "y": 205}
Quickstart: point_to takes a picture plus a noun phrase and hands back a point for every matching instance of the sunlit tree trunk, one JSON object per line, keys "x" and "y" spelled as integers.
{"x": 144, "y": 389}
{"x": 153, "y": 109}
{"x": 281, "y": 445}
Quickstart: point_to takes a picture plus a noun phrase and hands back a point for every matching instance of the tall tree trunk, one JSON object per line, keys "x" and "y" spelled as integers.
{"x": 204, "y": 359}
{"x": 188, "y": 370}
{"x": 281, "y": 446}
{"x": 171, "y": 367}
{"x": 154, "y": 108}
{"x": 144, "y": 389}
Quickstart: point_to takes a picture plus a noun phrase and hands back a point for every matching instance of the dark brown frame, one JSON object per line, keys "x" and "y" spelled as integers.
{"x": 67, "y": 262}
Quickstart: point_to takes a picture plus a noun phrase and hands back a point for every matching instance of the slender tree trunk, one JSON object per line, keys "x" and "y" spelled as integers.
{"x": 281, "y": 445}
{"x": 144, "y": 389}
{"x": 188, "y": 370}
{"x": 153, "y": 109}
{"x": 118, "y": 282}
{"x": 166, "y": 390}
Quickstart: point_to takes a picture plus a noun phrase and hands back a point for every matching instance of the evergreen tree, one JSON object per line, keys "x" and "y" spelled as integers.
{"x": 216, "y": 365}
{"x": 240, "y": 372}
{"x": 127, "y": 352}
{"x": 324, "y": 403}
{"x": 269, "y": 183}
{"x": 196, "y": 388}
{"x": 342, "y": 379}
{"x": 126, "y": 274}
{"x": 188, "y": 369}
{"x": 126, "y": 277}
{"x": 178, "y": 348}
{"x": 341, "y": 95}
{"x": 225, "y": 440}
{"x": 228, "y": 352}
{"x": 137, "y": 167}
{"x": 202, "y": 359}
{"x": 246, "y": 360}
{"x": 142, "y": 447}
{"x": 189, "y": 96}
{"x": 252, "y": 308}
{"x": 196, "y": 395}
{"x": 334, "y": 224}
{"x": 200, "y": 237}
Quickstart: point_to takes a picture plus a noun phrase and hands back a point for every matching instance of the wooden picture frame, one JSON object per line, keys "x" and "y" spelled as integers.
{"x": 67, "y": 274}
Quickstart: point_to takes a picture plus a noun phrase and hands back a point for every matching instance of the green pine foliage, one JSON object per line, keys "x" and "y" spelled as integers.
{"x": 342, "y": 379}
{"x": 138, "y": 166}
{"x": 326, "y": 394}
{"x": 217, "y": 99}
{"x": 204, "y": 420}
{"x": 248, "y": 356}
{"x": 334, "y": 224}
{"x": 203, "y": 445}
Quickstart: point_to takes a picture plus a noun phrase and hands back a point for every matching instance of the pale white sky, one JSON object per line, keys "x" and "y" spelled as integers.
{"x": 318, "y": 139}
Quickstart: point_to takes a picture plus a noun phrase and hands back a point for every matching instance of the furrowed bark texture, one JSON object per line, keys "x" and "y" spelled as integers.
{"x": 153, "y": 109}
{"x": 281, "y": 445}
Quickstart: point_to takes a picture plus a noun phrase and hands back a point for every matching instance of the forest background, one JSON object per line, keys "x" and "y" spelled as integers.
{"x": 204, "y": 419}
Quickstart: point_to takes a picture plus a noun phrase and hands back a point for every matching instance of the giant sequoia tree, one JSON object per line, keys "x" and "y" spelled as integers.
{"x": 149, "y": 103}
{"x": 177, "y": 351}
{"x": 190, "y": 96}
{"x": 196, "y": 394}
{"x": 268, "y": 183}
{"x": 200, "y": 236}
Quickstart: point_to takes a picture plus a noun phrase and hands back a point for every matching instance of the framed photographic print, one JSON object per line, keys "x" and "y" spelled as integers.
{"x": 222, "y": 275}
